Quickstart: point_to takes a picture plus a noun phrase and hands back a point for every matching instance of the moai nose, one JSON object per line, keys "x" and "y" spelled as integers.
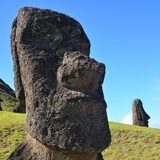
{"x": 80, "y": 72}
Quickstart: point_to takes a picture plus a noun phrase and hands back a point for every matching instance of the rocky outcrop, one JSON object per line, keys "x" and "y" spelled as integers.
{"x": 61, "y": 87}
{"x": 140, "y": 117}
{"x": 5, "y": 87}
{"x": 20, "y": 107}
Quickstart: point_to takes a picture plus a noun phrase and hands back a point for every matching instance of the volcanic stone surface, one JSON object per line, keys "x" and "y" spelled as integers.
{"x": 140, "y": 117}
{"x": 20, "y": 107}
{"x": 0, "y": 105}
{"x": 60, "y": 85}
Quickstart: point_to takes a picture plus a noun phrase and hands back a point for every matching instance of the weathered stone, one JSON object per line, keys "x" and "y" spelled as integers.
{"x": 0, "y": 105}
{"x": 60, "y": 85}
{"x": 20, "y": 107}
{"x": 140, "y": 117}
{"x": 31, "y": 149}
{"x": 99, "y": 156}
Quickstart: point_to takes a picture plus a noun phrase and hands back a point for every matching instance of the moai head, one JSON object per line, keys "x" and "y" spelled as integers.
{"x": 140, "y": 117}
{"x": 61, "y": 84}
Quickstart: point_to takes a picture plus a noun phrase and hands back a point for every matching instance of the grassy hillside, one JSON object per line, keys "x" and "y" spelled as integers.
{"x": 12, "y": 131}
{"x": 9, "y": 102}
{"x": 133, "y": 143}
{"x": 128, "y": 142}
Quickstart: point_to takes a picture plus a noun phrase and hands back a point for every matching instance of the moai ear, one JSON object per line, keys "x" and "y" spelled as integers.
{"x": 139, "y": 113}
{"x": 19, "y": 90}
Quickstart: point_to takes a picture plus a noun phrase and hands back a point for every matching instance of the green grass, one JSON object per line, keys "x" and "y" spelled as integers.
{"x": 12, "y": 131}
{"x": 9, "y": 102}
{"x": 133, "y": 143}
{"x": 128, "y": 142}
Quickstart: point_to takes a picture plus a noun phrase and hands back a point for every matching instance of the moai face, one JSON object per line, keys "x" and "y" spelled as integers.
{"x": 62, "y": 85}
{"x": 80, "y": 99}
{"x": 140, "y": 117}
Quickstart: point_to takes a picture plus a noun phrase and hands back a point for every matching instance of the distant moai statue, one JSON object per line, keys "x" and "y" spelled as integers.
{"x": 140, "y": 117}
{"x": 61, "y": 87}
{"x": 0, "y": 105}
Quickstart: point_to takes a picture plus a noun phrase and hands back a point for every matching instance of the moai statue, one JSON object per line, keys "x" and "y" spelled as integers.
{"x": 62, "y": 86}
{"x": 140, "y": 117}
{"x": 0, "y": 105}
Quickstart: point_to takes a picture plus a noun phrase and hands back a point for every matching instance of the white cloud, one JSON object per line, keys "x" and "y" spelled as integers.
{"x": 127, "y": 119}
{"x": 156, "y": 85}
{"x": 155, "y": 98}
{"x": 156, "y": 79}
{"x": 154, "y": 124}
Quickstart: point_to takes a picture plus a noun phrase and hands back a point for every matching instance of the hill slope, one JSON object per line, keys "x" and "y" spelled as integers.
{"x": 7, "y": 94}
{"x": 9, "y": 102}
{"x": 133, "y": 143}
{"x": 5, "y": 87}
{"x": 12, "y": 131}
{"x": 128, "y": 142}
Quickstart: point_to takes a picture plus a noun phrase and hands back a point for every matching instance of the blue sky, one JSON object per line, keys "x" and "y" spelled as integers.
{"x": 124, "y": 35}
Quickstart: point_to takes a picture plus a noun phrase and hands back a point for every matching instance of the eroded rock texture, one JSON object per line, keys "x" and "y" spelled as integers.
{"x": 20, "y": 107}
{"x": 0, "y": 105}
{"x": 140, "y": 117}
{"x": 60, "y": 86}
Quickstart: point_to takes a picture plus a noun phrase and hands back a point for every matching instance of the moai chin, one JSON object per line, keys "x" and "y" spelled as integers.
{"x": 140, "y": 117}
{"x": 62, "y": 86}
